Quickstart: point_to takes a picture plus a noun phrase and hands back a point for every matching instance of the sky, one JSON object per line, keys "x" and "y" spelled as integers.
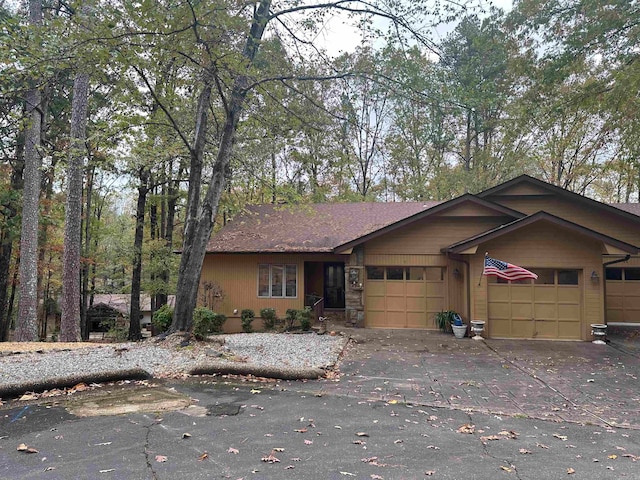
{"x": 340, "y": 37}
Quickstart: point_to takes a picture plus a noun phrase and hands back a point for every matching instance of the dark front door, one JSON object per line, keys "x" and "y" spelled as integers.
{"x": 334, "y": 285}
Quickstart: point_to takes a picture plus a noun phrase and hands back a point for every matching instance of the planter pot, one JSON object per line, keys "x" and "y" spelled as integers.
{"x": 459, "y": 330}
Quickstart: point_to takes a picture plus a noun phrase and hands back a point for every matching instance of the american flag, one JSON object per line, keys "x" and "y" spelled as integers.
{"x": 505, "y": 270}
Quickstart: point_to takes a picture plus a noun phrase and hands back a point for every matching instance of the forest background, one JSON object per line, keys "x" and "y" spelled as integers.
{"x": 131, "y": 129}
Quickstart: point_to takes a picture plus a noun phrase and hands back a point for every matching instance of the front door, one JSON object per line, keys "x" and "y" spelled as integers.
{"x": 334, "y": 285}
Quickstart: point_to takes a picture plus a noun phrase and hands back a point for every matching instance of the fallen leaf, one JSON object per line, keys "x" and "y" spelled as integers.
{"x": 348, "y": 474}
{"x": 376, "y": 477}
{"x": 524, "y": 451}
{"x": 359, "y": 442}
{"x": 506, "y": 469}
{"x": 398, "y": 441}
{"x": 204, "y": 456}
{"x": 270, "y": 459}
{"x": 48, "y": 469}
{"x": 429, "y": 473}
{"x": 300, "y": 430}
{"x": 466, "y": 428}
{"x": 561, "y": 437}
{"x": 308, "y": 442}
{"x": 254, "y": 391}
{"x": 28, "y": 396}
{"x": 278, "y": 449}
{"x": 392, "y": 402}
{"x": 612, "y": 457}
{"x": 22, "y": 447}
{"x": 338, "y": 427}
{"x": 186, "y": 435}
{"x": 235, "y": 451}
{"x": 541, "y": 445}
{"x": 107, "y": 470}
{"x": 570, "y": 471}
{"x": 362, "y": 434}
{"x": 490, "y": 437}
{"x": 161, "y": 458}
{"x": 289, "y": 467}
{"x": 433, "y": 447}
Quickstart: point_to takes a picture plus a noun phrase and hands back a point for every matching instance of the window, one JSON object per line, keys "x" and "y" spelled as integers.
{"x": 546, "y": 276}
{"x": 375, "y": 273}
{"x": 632, "y": 273}
{"x": 567, "y": 277}
{"x": 415, "y": 273}
{"x": 277, "y": 281}
{"x": 614, "y": 273}
{"x": 395, "y": 273}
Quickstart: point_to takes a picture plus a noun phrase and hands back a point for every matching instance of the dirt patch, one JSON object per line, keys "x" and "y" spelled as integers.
{"x": 128, "y": 401}
{"x": 25, "y": 347}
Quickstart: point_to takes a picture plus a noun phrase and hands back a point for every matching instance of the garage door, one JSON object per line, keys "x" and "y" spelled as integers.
{"x": 623, "y": 295}
{"x": 549, "y": 308}
{"x": 403, "y": 297}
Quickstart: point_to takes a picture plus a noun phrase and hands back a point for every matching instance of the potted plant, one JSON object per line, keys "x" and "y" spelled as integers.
{"x": 458, "y": 326}
{"x": 444, "y": 320}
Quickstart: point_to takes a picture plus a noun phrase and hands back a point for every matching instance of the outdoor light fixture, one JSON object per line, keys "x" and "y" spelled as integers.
{"x": 595, "y": 277}
{"x": 456, "y": 273}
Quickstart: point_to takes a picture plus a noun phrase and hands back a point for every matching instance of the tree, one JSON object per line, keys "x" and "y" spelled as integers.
{"x": 27, "y": 324}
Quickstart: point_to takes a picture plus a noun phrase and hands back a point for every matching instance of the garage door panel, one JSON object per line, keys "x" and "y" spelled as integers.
{"x": 500, "y": 328}
{"x": 499, "y": 293}
{"x": 616, "y": 316}
{"x": 416, "y": 320}
{"x": 522, "y": 328}
{"x": 545, "y": 293}
{"x": 569, "y": 330}
{"x": 535, "y": 311}
{"x": 375, "y": 289}
{"x": 568, "y": 294}
{"x": 545, "y": 311}
{"x": 376, "y": 319}
{"x": 405, "y": 303}
{"x": 569, "y": 312}
{"x": 522, "y": 311}
{"x": 623, "y": 300}
{"x": 499, "y": 310}
{"x": 614, "y": 301}
{"x": 546, "y": 329}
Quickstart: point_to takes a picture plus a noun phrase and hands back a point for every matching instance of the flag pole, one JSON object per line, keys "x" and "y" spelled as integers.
{"x": 486, "y": 254}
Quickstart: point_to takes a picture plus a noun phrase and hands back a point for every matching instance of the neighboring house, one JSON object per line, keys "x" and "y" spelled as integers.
{"x": 394, "y": 265}
{"x": 116, "y": 307}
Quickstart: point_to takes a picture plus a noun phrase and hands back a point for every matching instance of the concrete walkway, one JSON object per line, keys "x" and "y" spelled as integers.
{"x": 561, "y": 381}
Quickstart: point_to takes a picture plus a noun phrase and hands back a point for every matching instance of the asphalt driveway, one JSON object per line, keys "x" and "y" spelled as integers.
{"x": 560, "y": 381}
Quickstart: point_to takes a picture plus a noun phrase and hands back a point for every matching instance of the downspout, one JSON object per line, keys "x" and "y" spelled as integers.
{"x": 468, "y": 280}
{"x": 604, "y": 279}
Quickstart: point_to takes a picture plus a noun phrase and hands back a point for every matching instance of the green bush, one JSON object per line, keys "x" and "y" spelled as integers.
{"x": 268, "y": 318}
{"x": 247, "y": 317}
{"x": 304, "y": 317}
{"x": 290, "y": 318}
{"x": 206, "y": 322}
{"x": 162, "y": 318}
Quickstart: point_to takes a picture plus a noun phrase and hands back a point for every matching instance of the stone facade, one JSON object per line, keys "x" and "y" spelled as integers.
{"x": 354, "y": 288}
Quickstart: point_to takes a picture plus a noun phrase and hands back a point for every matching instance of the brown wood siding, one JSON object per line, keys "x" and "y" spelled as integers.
{"x": 469, "y": 210}
{"x": 429, "y": 236}
{"x": 457, "y": 289}
{"x": 603, "y": 222}
{"x": 543, "y": 246}
{"x": 399, "y": 260}
{"x": 238, "y": 274}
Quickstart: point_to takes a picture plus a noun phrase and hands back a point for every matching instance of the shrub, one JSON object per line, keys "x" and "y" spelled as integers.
{"x": 162, "y": 318}
{"x": 268, "y": 318}
{"x": 206, "y": 322}
{"x": 290, "y": 318}
{"x": 247, "y": 317}
{"x": 304, "y": 317}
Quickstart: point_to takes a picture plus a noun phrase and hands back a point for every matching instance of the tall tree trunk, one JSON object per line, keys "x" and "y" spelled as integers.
{"x": 70, "y": 321}
{"x": 27, "y": 322}
{"x": 84, "y": 301}
{"x": 8, "y": 237}
{"x": 200, "y": 218}
{"x": 134, "y": 316}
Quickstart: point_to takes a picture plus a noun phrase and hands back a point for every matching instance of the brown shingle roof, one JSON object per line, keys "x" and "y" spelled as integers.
{"x": 628, "y": 207}
{"x": 307, "y": 228}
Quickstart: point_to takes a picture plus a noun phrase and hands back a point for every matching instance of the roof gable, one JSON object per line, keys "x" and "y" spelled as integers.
{"x": 465, "y": 205}
{"x": 525, "y": 185}
{"x": 541, "y": 216}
